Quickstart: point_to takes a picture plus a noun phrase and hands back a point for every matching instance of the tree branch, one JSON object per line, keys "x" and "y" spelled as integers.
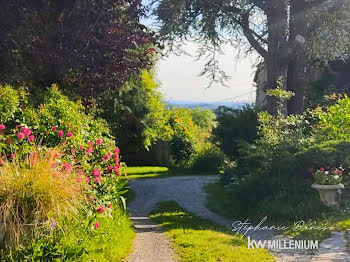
{"x": 249, "y": 34}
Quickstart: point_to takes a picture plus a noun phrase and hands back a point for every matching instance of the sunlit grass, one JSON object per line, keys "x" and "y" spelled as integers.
{"x": 198, "y": 239}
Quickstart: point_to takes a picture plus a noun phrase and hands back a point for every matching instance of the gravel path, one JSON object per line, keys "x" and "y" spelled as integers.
{"x": 151, "y": 245}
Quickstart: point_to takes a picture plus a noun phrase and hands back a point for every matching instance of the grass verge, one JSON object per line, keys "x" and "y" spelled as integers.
{"x": 73, "y": 241}
{"x": 137, "y": 172}
{"x": 197, "y": 239}
{"x": 337, "y": 219}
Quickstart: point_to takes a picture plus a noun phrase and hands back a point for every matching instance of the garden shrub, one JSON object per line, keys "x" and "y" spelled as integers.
{"x": 234, "y": 125}
{"x": 87, "y": 153}
{"x": 208, "y": 159}
{"x": 267, "y": 180}
{"x": 183, "y": 143}
{"x": 334, "y": 123}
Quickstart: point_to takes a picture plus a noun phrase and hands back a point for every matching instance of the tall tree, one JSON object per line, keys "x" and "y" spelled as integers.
{"x": 86, "y": 46}
{"x": 280, "y": 31}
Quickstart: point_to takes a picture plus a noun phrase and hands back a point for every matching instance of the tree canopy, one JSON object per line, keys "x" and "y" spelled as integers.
{"x": 85, "y": 46}
{"x": 282, "y": 32}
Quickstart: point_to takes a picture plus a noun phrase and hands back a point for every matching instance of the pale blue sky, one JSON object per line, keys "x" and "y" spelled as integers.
{"x": 180, "y": 81}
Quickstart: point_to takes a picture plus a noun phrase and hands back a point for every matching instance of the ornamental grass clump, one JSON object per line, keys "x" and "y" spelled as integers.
{"x": 36, "y": 192}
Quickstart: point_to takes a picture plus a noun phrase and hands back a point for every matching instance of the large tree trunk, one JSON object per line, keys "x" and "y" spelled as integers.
{"x": 277, "y": 58}
{"x": 297, "y": 79}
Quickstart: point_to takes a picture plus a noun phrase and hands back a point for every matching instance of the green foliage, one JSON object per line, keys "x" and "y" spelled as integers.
{"x": 181, "y": 149}
{"x": 9, "y": 103}
{"x": 334, "y": 124}
{"x": 235, "y": 125}
{"x": 183, "y": 143}
{"x": 208, "y": 160}
{"x": 84, "y": 54}
{"x": 136, "y": 113}
{"x": 266, "y": 179}
{"x": 74, "y": 241}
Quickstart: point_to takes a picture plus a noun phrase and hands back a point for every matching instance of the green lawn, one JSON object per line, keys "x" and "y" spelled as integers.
{"x": 136, "y": 172}
{"x": 196, "y": 239}
{"x": 146, "y": 172}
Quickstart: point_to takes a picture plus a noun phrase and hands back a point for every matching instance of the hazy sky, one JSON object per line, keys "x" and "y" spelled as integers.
{"x": 180, "y": 81}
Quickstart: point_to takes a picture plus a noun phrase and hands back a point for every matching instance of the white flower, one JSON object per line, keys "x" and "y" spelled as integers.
{"x": 336, "y": 177}
{"x": 326, "y": 172}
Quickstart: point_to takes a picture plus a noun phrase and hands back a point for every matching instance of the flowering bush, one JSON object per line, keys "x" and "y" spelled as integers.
{"x": 329, "y": 176}
{"x": 87, "y": 155}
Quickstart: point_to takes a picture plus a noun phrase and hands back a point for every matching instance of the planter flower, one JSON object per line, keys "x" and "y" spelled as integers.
{"x": 328, "y": 184}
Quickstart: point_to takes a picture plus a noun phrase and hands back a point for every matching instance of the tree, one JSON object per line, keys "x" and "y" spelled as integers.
{"x": 280, "y": 31}
{"x": 136, "y": 113}
{"x": 85, "y": 46}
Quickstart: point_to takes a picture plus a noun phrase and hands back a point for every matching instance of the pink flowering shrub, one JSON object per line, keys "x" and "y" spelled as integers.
{"x": 84, "y": 140}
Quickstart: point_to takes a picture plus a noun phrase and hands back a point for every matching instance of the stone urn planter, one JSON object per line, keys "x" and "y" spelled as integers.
{"x": 328, "y": 193}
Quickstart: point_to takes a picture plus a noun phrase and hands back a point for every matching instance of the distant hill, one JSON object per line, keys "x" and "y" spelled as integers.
{"x": 204, "y": 105}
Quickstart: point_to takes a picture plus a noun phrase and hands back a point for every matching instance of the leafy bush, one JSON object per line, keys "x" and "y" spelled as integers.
{"x": 235, "y": 125}
{"x": 209, "y": 159}
{"x": 136, "y": 113}
{"x": 334, "y": 124}
{"x": 89, "y": 161}
{"x": 268, "y": 179}
{"x": 37, "y": 191}
{"x": 183, "y": 143}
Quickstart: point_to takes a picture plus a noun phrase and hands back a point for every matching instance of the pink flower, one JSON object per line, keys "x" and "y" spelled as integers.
{"x": 69, "y": 134}
{"x": 322, "y": 169}
{"x": 117, "y": 150}
{"x": 100, "y": 210}
{"x": 91, "y": 144}
{"x": 2, "y": 127}
{"x": 60, "y": 133}
{"x": 99, "y": 142}
{"x": 90, "y": 150}
{"x": 98, "y": 179}
{"x": 54, "y": 129}
{"x": 31, "y": 138}
{"x": 106, "y": 157}
{"x": 72, "y": 151}
{"x": 12, "y": 156}
{"x": 87, "y": 180}
{"x": 338, "y": 171}
{"x": 81, "y": 147}
{"x": 96, "y": 172}
{"x": 20, "y": 135}
{"x": 109, "y": 168}
{"x": 67, "y": 167}
{"x": 96, "y": 225}
{"x": 109, "y": 206}
{"x": 27, "y": 132}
